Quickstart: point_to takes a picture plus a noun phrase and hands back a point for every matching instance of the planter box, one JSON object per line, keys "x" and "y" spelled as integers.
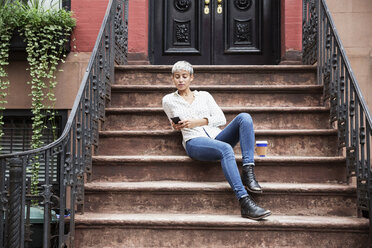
{"x": 18, "y": 47}
{"x": 17, "y": 43}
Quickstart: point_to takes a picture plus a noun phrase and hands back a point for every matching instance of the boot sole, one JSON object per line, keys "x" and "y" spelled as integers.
{"x": 257, "y": 218}
{"x": 254, "y": 191}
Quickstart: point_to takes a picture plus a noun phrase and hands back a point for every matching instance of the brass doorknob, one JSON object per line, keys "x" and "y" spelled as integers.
{"x": 219, "y": 6}
{"x": 206, "y": 6}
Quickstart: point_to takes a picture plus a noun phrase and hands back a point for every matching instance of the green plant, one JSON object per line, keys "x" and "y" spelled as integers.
{"x": 46, "y": 32}
{"x": 39, "y": 4}
{"x": 7, "y": 23}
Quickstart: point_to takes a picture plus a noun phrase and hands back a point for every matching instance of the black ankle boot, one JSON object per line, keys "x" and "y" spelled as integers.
{"x": 249, "y": 179}
{"x": 249, "y": 209}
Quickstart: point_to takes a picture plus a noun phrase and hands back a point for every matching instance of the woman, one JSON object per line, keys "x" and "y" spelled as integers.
{"x": 200, "y": 118}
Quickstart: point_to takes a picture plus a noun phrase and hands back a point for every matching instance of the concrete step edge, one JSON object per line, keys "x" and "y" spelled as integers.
{"x": 228, "y": 222}
{"x": 278, "y": 132}
{"x": 183, "y": 186}
{"x": 108, "y": 160}
{"x": 219, "y": 68}
{"x": 224, "y": 88}
{"x": 225, "y": 109}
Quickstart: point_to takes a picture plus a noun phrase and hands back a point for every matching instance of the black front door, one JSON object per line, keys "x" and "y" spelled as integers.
{"x": 215, "y": 31}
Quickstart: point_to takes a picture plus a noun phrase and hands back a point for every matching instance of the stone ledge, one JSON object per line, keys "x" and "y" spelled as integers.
{"x": 227, "y": 88}
{"x": 230, "y": 222}
{"x": 107, "y": 160}
{"x": 224, "y": 109}
{"x": 279, "y": 132}
{"x": 219, "y": 68}
{"x": 176, "y": 186}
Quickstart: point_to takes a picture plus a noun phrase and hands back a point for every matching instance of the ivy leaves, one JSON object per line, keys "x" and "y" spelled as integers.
{"x": 46, "y": 32}
{"x": 6, "y": 27}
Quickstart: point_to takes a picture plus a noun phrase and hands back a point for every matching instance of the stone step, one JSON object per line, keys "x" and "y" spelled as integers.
{"x": 263, "y": 118}
{"x": 225, "y": 95}
{"x": 183, "y": 168}
{"x": 217, "y": 198}
{"x": 210, "y": 231}
{"x": 219, "y": 75}
{"x": 317, "y": 142}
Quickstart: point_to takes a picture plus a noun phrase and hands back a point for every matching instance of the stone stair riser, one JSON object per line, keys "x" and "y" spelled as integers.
{"x": 294, "y": 145}
{"x": 129, "y": 77}
{"x": 264, "y": 120}
{"x": 212, "y": 172}
{"x": 218, "y": 202}
{"x": 243, "y": 99}
{"x": 135, "y": 236}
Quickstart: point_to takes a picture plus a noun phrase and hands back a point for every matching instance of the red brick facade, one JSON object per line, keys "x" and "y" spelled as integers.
{"x": 89, "y": 15}
{"x": 138, "y": 26}
{"x": 291, "y": 17}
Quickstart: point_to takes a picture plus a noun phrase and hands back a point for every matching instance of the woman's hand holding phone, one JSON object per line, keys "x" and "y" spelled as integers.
{"x": 176, "y": 120}
{"x": 189, "y": 123}
{"x": 176, "y": 123}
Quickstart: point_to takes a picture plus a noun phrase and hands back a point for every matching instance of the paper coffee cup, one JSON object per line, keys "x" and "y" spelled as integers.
{"x": 261, "y": 148}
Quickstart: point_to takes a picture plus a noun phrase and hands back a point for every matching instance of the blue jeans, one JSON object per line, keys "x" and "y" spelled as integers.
{"x": 221, "y": 148}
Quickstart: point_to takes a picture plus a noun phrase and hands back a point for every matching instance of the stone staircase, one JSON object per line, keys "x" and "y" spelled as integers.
{"x": 146, "y": 192}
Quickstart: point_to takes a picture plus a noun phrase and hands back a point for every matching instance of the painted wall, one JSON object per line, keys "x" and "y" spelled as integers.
{"x": 353, "y": 19}
{"x": 66, "y": 90}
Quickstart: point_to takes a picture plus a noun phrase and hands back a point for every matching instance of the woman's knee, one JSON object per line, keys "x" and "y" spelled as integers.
{"x": 227, "y": 150}
{"x": 245, "y": 117}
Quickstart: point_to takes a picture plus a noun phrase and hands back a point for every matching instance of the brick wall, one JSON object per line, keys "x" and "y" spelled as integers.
{"x": 291, "y": 18}
{"x": 89, "y": 15}
{"x": 138, "y": 26}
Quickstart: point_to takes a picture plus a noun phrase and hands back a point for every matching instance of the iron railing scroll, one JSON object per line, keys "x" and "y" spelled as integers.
{"x": 62, "y": 191}
{"x": 349, "y": 111}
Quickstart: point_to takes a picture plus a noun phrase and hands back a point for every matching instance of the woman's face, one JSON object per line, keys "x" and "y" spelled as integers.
{"x": 182, "y": 80}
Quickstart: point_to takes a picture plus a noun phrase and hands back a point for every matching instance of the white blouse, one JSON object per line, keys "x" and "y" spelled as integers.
{"x": 203, "y": 106}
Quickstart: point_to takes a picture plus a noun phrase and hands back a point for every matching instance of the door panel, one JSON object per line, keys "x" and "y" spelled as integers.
{"x": 250, "y": 34}
{"x": 181, "y": 32}
{"x": 244, "y": 32}
{"x": 242, "y": 27}
{"x": 182, "y": 27}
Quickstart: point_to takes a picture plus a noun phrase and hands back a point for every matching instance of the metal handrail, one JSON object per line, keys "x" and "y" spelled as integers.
{"x": 72, "y": 151}
{"x": 349, "y": 111}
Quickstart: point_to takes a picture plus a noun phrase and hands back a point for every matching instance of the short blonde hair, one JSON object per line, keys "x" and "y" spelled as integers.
{"x": 182, "y": 66}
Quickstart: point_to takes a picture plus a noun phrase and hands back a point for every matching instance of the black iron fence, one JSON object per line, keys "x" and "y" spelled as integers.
{"x": 322, "y": 45}
{"x": 56, "y": 204}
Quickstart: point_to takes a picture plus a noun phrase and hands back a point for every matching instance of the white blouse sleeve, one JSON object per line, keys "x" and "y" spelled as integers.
{"x": 167, "y": 108}
{"x": 216, "y": 117}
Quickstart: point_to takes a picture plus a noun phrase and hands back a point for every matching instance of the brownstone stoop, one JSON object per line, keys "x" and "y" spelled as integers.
{"x": 146, "y": 192}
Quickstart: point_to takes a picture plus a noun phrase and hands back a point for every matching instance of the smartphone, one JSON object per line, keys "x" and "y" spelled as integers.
{"x": 176, "y": 119}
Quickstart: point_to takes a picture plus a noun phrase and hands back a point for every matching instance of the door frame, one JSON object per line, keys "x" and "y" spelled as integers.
{"x": 276, "y": 42}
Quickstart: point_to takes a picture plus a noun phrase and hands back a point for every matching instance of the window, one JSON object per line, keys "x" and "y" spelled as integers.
{"x": 52, "y": 3}
{"x": 18, "y": 130}
{"x": 17, "y": 136}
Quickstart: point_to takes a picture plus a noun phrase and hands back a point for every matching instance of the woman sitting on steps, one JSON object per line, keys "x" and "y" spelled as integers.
{"x": 199, "y": 121}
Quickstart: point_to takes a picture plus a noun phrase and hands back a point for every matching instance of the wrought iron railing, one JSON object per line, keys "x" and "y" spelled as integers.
{"x": 322, "y": 45}
{"x": 62, "y": 197}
